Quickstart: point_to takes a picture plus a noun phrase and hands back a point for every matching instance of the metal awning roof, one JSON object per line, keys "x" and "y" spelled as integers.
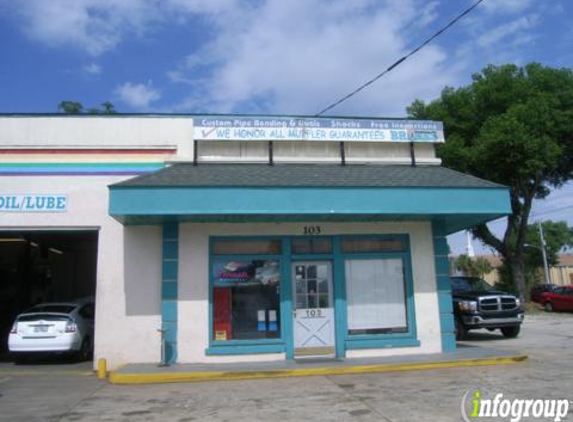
{"x": 305, "y": 175}
{"x": 305, "y": 192}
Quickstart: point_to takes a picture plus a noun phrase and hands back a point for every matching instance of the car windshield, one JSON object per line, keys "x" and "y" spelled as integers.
{"x": 58, "y": 309}
{"x": 468, "y": 284}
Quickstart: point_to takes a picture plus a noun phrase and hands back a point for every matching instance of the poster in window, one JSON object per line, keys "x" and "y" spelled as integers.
{"x": 246, "y": 299}
{"x": 222, "y": 313}
{"x": 234, "y": 273}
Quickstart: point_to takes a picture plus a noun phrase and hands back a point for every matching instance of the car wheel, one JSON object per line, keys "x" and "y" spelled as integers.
{"x": 510, "y": 332}
{"x": 85, "y": 352}
{"x": 548, "y": 307}
{"x": 461, "y": 330}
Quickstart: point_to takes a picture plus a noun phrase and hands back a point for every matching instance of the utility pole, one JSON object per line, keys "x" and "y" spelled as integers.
{"x": 469, "y": 246}
{"x": 544, "y": 254}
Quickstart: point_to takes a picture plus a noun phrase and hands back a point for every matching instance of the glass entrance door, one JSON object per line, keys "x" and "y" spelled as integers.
{"x": 313, "y": 316}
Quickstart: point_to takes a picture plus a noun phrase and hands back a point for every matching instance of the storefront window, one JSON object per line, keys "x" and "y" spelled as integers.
{"x": 372, "y": 245}
{"x": 311, "y": 246}
{"x": 252, "y": 247}
{"x": 375, "y": 294}
{"x": 246, "y": 300}
{"x": 312, "y": 286}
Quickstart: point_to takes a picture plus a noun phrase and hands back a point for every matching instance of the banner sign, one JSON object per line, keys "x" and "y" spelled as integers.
{"x": 33, "y": 203}
{"x": 235, "y": 273}
{"x": 252, "y": 128}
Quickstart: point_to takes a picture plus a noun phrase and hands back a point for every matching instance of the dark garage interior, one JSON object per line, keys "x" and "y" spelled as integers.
{"x": 43, "y": 266}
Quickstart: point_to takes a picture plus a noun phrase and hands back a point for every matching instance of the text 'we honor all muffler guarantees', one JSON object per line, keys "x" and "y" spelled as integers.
{"x": 476, "y": 405}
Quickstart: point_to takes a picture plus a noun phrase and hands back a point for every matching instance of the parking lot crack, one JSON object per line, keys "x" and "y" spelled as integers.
{"x": 360, "y": 400}
{"x": 72, "y": 409}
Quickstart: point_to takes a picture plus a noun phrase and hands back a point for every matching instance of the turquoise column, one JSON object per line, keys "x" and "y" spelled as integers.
{"x": 340, "y": 313}
{"x": 287, "y": 298}
{"x": 442, "y": 266}
{"x": 169, "y": 289}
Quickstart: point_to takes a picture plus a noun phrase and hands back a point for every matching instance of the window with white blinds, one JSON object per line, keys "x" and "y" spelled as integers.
{"x": 375, "y": 295}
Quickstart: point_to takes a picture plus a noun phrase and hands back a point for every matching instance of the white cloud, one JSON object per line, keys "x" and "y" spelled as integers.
{"x": 205, "y": 7}
{"x": 92, "y": 68}
{"x": 429, "y": 13}
{"x": 516, "y": 30}
{"x": 94, "y": 26}
{"x": 557, "y": 206}
{"x": 506, "y": 6}
{"x": 297, "y": 56}
{"x": 292, "y": 56}
{"x": 98, "y": 26}
{"x": 138, "y": 96}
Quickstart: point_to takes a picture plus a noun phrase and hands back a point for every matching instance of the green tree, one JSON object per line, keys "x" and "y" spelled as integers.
{"x": 514, "y": 126}
{"x": 108, "y": 108}
{"x": 473, "y": 267}
{"x": 75, "y": 107}
{"x": 70, "y": 107}
{"x": 463, "y": 263}
{"x": 482, "y": 267}
{"x": 557, "y": 236}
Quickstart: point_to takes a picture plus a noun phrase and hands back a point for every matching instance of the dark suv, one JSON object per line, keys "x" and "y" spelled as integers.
{"x": 479, "y": 305}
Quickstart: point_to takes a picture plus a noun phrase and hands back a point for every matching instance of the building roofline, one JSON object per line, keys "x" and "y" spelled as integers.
{"x": 306, "y": 175}
{"x": 182, "y": 115}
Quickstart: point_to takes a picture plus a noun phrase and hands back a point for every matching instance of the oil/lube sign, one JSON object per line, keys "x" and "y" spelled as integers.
{"x": 316, "y": 129}
{"x": 33, "y": 203}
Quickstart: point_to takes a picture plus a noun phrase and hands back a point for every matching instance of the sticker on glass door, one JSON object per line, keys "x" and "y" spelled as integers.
{"x": 313, "y": 315}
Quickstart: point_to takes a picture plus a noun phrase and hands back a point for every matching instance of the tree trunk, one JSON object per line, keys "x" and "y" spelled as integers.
{"x": 518, "y": 274}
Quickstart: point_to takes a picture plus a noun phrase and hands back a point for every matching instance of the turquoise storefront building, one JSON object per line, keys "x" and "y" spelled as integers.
{"x": 285, "y": 237}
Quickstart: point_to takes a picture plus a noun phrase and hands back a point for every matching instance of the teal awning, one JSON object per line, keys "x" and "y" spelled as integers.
{"x": 242, "y": 193}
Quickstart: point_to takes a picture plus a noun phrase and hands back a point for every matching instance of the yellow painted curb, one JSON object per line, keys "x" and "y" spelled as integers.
{"x": 28, "y": 372}
{"x": 156, "y": 377}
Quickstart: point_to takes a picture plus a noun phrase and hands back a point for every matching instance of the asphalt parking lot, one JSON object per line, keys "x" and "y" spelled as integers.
{"x": 70, "y": 392}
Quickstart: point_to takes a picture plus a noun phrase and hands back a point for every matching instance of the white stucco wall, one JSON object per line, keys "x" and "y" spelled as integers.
{"x": 127, "y": 306}
{"x": 193, "y": 335}
{"x": 128, "y": 297}
{"x": 97, "y": 132}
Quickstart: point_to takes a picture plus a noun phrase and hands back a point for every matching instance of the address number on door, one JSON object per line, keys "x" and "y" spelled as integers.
{"x": 313, "y": 313}
{"x": 310, "y": 230}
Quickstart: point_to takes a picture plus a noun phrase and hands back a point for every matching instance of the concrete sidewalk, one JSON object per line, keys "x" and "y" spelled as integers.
{"x": 464, "y": 356}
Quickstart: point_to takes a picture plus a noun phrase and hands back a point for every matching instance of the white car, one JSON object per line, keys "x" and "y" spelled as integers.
{"x": 59, "y": 327}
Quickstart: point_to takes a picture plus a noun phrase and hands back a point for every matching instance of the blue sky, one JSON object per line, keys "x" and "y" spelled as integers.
{"x": 279, "y": 57}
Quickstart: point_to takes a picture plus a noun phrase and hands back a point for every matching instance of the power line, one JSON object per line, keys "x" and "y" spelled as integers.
{"x": 538, "y": 214}
{"x": 401, "y": 60}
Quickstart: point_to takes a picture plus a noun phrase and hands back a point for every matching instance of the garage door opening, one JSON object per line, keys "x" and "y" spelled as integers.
{"x": 44, "y": 266}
